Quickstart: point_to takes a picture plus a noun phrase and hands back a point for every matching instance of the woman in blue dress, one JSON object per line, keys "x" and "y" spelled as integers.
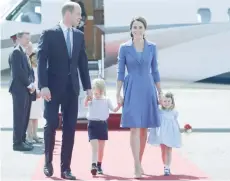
{"x": 141, "y": 89}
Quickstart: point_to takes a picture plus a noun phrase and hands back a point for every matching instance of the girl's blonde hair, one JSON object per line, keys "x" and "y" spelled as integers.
{"x": 32, "y": 57}
{"x": 170, "y": 95}
{"x": 99, "y": 84}
{"x": 33, "y": 60}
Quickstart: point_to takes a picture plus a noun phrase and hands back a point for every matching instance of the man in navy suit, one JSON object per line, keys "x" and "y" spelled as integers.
{"x": 61, "y": 53}
{"x": 22, "y": 91}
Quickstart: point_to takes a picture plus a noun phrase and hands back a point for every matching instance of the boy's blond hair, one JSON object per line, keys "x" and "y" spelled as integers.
{"x": 99, "y": 84}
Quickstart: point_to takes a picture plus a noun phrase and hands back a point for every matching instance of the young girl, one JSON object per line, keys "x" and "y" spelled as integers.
{"x": 168, "y": 136}
{"x": 36, "y": 107}
{"x": 98, "y": 113}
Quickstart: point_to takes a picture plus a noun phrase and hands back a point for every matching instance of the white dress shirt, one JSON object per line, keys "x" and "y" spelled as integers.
{"x": 98, "y": 109}
{"x": 65, "y": 31}
{"x": 23, "y": 48}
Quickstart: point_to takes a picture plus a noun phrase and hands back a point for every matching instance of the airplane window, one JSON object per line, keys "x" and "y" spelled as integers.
{"x": 28, "y": 11}
{"x": 204, "y": 15}
{"x": 38, "y": 9}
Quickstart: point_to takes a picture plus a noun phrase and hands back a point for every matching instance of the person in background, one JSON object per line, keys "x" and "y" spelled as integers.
{"x": 14, "y": 40}
{"x": 21, "y": 89}
{"x": 81, "y": 25}
{"x": 36, "y": 107}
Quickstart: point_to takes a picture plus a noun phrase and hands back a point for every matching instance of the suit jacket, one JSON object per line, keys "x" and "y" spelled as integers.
{"x": 54, "y": 64}
{"x": 9, "y": 59}
{"x": 22, "y": 75}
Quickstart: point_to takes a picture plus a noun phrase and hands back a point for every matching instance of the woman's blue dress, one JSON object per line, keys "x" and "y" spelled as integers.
{"x": 140, "y": 109}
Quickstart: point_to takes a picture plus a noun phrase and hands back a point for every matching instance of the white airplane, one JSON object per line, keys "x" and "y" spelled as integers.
{"x": 30, "y": 15}
{"x": 192, "y": 36}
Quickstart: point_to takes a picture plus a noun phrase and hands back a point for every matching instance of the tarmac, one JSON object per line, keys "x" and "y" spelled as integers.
{"x": 205, "y": 107}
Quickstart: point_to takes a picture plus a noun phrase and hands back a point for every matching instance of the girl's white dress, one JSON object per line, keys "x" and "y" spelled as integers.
{"x": 37, "y": 106}
{"x": 169, "y": 131}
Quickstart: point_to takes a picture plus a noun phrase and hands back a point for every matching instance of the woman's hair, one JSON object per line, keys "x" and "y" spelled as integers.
{"x": 170, "y": 95}
{"x": 100, "y": 85}
{"x": 140, "y": 19}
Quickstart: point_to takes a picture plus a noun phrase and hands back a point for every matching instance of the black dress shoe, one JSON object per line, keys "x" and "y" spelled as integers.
{"x": 48, "y": 169}
{"x": 99, "y": 171}
{"x": 28, "y": 143}
{"x": 68, "y": 175}
{"x": 22, "y": 147}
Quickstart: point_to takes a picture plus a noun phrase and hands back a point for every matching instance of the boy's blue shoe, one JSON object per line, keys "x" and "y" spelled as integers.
{"x": 166, "y": 171}
{"x": 94, "y": 169}
{"x": 99, "y": 170}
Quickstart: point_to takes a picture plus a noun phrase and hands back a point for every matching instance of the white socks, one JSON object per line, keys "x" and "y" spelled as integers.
{"x": 94, "y": 146}
{"x": 166, "y": 166}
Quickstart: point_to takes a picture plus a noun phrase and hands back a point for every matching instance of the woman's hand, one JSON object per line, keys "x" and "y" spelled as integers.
{"x": 160, "y": 97}
{"x": 120, "y": 100}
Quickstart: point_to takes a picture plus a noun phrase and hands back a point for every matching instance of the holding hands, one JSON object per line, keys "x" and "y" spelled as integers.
{"x": 89, "y": 96}
{"x": 120, "y": 100}
{"x": 160, "y": 97}
{"x": 38, "y": 94}
{"x": 117, "y": 108}
{"x": 31, "y": 88}
{"x": 45, "y": 94}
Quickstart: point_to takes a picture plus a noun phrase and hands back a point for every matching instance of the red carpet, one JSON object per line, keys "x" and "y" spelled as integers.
{"x": 118, "y": 162}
